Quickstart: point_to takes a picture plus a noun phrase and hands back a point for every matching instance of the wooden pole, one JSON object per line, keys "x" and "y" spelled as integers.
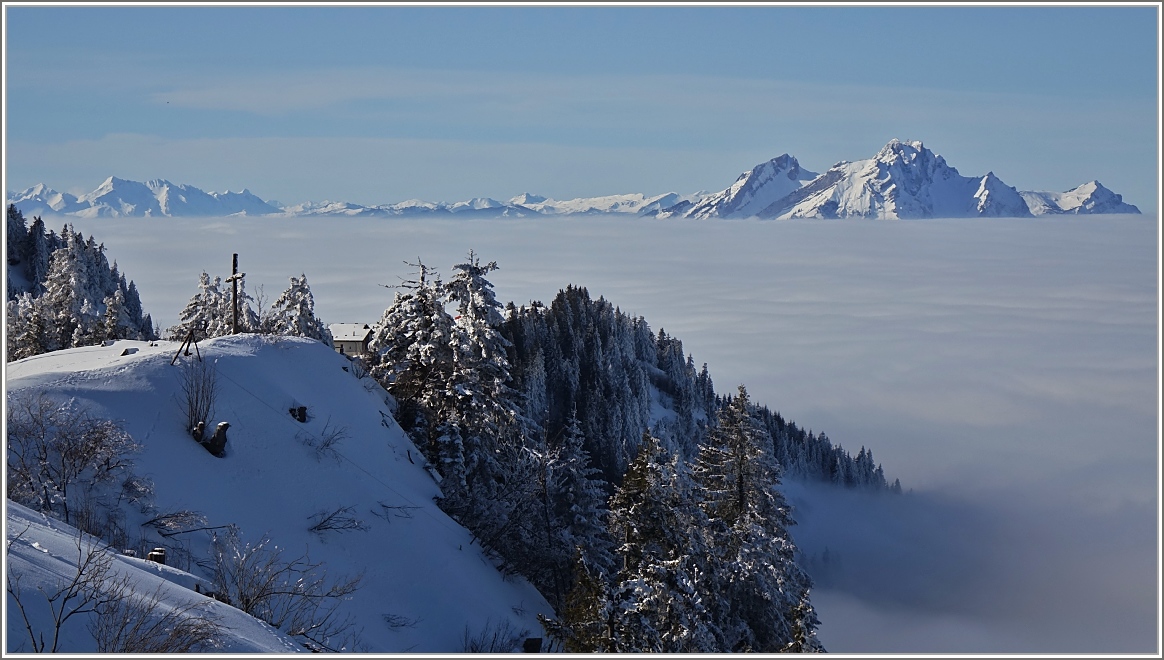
{"x": 234, "y": 294}
{"x": 235, "y": 276}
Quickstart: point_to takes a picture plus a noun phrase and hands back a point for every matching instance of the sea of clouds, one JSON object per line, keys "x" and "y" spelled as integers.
{"x": 1005, "y": 370}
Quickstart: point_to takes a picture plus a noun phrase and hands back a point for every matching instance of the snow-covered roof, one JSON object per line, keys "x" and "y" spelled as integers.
{"x": 349, "y": 331}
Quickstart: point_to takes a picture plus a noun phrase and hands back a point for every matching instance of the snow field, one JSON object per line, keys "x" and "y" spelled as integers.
{"x": 418, "y": 565}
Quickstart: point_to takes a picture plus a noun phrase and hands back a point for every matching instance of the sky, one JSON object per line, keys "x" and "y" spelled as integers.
{"x": 378, "y": 104}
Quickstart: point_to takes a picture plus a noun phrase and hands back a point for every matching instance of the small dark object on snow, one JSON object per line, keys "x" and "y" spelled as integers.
{"x": 157, "y": 555}
{"x": 300, "y": 413}
{"x": 198, "y": 431}
{"x": 217, "y": 443}
{"x": 129, "y": 351}
{"x": 532, "y": 645}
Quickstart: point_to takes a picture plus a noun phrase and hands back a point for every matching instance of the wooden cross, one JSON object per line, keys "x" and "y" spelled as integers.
{"x": 235, "y": 276}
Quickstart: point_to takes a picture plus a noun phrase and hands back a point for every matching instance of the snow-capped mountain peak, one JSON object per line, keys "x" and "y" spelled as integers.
{"x": 903, "y": 180}
{"x": 1090, "y": 197}
{"x": 752, "y": 191}
{"x": 525, "y": 199}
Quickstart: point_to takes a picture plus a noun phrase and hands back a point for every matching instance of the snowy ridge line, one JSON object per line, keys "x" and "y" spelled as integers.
{"x": 279, "y": 415}
{"x": 904, "y": 180}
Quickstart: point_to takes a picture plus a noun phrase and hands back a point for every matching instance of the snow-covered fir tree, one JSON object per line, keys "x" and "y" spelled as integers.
{"x": 489, "y": 411}
{"x": 66, "y": 291}
{"x": 759, "y": 584}
{"x": 579, "y": 499}
{"x": 293, "y": 313}
{"x": 658, "y": 597}
{"x": 210, "y": 311}
{"x": 410, "y": 351}
{"x": 584, "y": 625}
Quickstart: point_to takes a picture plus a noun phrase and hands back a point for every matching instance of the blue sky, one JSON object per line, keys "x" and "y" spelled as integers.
{"x": 380, "y": 104}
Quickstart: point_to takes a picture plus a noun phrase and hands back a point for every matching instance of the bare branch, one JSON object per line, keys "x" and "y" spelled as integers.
{"x": 340, "y": 520}
{"x": 136, "y": 624}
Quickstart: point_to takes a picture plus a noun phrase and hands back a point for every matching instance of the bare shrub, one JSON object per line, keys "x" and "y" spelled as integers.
{"x": 325, "y": 443}
{"x": 294, "y": 595}
{"x": 84, "y": 592}
{"x": 140, "y": 623}
{"x": 339, "y": 520}
{"x": 199, "y": 384}
{"x": 495, "y": 637}
{"x": 390, "y": 511}
{"x": 171, "y": 522}
{"x": 65, "y": 461}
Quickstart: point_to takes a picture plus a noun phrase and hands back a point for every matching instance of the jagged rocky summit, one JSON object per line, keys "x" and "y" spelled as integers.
{"x": 904, "y": 180}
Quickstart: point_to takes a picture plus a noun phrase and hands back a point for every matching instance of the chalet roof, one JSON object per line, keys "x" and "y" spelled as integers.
{"x": 350, "y": 331}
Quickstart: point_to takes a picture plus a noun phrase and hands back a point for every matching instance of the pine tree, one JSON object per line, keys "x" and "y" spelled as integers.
{"x": 657, "y": 598}
{"x": 585, "y": 623}
{"x": 752, "y": 554}
{"x": 17, "y": 235}
{"x": 38, "y": 252}
{"x": 133, "y": 310}
{"x": 480, "y": 374}
{"x": 116, "y": 323}
{"x": 201, "y": 314}
{"x": 63, "y": 302}
{"x": 27, "y": 328}
{"x": 293, "y": 313}
{"x": 579, "y": 501}
{"x": 411, "y": 355}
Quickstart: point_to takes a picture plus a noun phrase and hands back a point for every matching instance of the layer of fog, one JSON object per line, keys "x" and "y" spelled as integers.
{"x": 1005, "y": 370}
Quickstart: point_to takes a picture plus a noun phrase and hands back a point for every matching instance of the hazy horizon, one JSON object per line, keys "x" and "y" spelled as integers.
{"x": 377, "y": 104}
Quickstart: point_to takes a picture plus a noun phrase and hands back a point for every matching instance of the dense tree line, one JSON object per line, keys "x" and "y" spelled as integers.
{"x": 587, "y": 453}
{"x": 62, "y": 292}
{"x": 703, "y": 559}
{"x": 586, "y": 357}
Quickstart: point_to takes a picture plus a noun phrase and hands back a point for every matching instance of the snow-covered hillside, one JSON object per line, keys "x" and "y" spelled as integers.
{"x": 43, "y": 552}
{"x": 1091, "y": 197}
{"x": 425, "y": 581}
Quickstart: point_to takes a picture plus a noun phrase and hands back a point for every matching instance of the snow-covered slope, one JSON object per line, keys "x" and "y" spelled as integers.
{"x": 425, "y": 580}
{"x": 43, "y": 553}
{"x": 751, "y": 193}
{"x": 904, "y": 180}
{"x": 1091, "y": 197}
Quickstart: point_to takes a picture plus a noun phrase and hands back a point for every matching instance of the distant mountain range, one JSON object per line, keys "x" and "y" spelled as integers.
{"x": 905, "y": 180}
